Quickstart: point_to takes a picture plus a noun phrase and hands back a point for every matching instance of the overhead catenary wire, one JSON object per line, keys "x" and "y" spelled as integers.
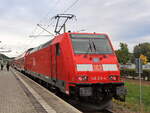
{"x": 49, "y": 25}
{"x": 40, "y": 22}
{"x": 74, "y": 3}
{"x": 67, "y": 9}
{"x": 33, "y": 32}
{"x": 4, "y": 49}
{"x": 54, "y": 6}
{"x": 44, "y": 29}
{"x": 39, "y": 34}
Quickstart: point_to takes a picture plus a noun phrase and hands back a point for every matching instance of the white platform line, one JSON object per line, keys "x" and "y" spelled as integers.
{"x": 48, "y": 108}
{"x": 65, "y": 103}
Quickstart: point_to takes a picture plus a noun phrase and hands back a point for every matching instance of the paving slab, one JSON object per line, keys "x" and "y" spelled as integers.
{"x": 56, "y": 103}
{"x": 19, "y": 94}
{"x": 12, "y": 97}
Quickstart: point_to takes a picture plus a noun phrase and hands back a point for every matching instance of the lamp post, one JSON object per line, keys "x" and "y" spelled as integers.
{"x": 139, "y": 70}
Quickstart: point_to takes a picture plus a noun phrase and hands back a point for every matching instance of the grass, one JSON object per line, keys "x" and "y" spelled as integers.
{"x": 133, "y": 96}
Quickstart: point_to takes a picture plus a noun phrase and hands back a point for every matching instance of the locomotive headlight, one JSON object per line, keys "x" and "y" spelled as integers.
{"x": 114, "y": 77}
{"x": 110, "y": 67}
{"x": 82, "y": 78}
{"x": 84, "y": 67}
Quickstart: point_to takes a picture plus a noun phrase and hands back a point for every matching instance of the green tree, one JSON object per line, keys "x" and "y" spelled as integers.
{"x": 142, "y": 49}
{"x": 123, "y": 53}
{"x": 132, "y": 58}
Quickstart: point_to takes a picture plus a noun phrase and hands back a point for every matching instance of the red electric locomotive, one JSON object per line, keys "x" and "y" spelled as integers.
{"x": 82, "y": 65}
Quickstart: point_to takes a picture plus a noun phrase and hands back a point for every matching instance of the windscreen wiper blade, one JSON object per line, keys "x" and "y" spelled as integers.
{"x": 94, "y": 46}
{"x": 89, "y": 47}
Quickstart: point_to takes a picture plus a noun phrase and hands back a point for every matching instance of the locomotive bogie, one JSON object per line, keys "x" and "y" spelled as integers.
{"x": 99, "y": 90}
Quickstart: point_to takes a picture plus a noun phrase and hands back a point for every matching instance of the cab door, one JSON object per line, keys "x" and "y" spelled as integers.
{"x": 53, "y": 64}
{"x": 55, "y": 61}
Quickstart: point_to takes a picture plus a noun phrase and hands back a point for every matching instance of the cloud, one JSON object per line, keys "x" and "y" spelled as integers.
{"x": 123, "y": 20}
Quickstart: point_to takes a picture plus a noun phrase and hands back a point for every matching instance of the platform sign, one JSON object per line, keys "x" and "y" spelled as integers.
{"x": 138, "y": 64}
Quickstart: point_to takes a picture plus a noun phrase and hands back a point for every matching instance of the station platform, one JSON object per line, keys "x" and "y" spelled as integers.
{"x": 19, "y": 94}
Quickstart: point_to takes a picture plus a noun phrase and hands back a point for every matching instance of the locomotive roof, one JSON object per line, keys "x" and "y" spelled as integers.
{"x": 31, "y": 50}
{"x": 20, "y": 56}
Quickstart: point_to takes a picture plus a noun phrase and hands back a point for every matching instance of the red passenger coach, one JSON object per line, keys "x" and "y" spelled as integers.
{"x": 18, "y": 63}
{"x": 82, "y": 65}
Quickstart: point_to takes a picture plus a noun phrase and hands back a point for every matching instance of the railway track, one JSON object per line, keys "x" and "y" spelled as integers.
{"x": 104, "y": 111}
{"x": 108, "y": 111}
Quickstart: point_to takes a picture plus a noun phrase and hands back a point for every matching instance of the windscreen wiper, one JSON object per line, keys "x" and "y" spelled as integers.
{"x": 89, "y": 47}
{"x": 94, "y": 46}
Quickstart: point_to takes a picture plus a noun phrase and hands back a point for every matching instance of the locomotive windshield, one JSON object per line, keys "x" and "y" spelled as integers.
{"x": 90, "y": 44}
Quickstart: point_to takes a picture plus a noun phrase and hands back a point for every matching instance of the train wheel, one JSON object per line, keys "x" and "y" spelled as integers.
{"x": 106, "y": 103}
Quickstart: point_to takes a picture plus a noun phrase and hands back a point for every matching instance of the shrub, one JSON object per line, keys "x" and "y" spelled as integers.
{"x": 132, "y": 72}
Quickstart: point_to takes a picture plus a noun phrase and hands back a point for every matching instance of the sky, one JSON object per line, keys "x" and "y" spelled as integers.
{"x": 126, "y": 21}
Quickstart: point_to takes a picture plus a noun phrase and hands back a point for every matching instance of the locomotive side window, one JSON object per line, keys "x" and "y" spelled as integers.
{"x": 57, "y": 49}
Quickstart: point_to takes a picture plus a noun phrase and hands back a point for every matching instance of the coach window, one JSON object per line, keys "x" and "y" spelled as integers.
{"x": 57, "y": 49}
